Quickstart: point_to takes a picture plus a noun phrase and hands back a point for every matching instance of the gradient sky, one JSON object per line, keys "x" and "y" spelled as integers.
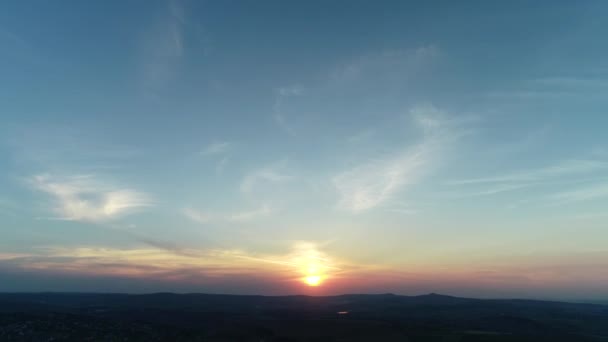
{"x": 241, "y": 146}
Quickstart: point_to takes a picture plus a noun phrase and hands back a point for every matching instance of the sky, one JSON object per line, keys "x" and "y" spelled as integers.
{"x": 305, "y": 147}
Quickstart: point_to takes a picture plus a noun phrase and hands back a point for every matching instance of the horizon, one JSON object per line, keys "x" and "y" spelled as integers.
{"x": 305, "y": 147}
{"x": 593, "y": 301}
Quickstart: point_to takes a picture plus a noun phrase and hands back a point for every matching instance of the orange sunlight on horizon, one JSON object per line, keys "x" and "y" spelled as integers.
{"x": 313, "y": 280}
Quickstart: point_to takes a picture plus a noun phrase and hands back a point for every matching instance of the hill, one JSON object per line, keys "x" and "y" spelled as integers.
{"x": 356, "y": 317}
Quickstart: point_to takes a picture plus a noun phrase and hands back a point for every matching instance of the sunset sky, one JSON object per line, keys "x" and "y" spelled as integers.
{"x": 313, "y": 147}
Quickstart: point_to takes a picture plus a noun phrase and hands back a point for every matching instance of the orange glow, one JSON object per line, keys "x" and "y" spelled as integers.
{"x": 313, "y": 280}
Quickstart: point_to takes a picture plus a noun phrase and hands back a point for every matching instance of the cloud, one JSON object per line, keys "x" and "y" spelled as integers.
{"x": 571, "y": 82}
{"x": 219, "y": 149}
{"x": 556, "y": 87}
{"x": 584, "y": 177}
{"x": 196, "y": 215}
{"x": 585, "y": 193}
{"x": 215, "y": 148}
{"x": 273, "y": 173}
{"x": 385, "y": 65}
{"x": 361, "y": 137}
{"x": 563, "y": 168}
{"x": 175, "y": 263}
{"x": 282, "y": 95}
{"x": 83, "y": 198}
{"x": 263, "y": 211}
{"x": 221, "y": 165}
{"x": 241, "y": 216}
{"x": 562, "y": 172}
{"x": 372, "y": 183}
{"x": 163, "y": 48}
{"x": 60, "y": 147}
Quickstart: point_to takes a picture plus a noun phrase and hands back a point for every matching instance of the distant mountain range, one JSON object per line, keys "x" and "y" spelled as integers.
{"x": 354, "y": 317}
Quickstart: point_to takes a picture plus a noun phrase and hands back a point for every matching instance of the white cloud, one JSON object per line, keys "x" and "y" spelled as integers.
{"x": 561, "y": 173}
{"x": 555, "y": 87}
{"x": 82, "y": 198}
{"x": 590, "y": 192}
{"x": 374, "y": 182}
{"x": 241, "y": 216}
{"x": 163, "y": 48}
{"x": 370, "y": 184}
{"x": 218, "y": 147}
{"x": 282, "y": 95}
{"x": 263, "y": 211}
{"x": 196, "y": 215}
{"x": 221, "y": 165}
{"x": 563, "y": 168}
{"x": 387, "y": 64}
{"x": 273, "y": 173}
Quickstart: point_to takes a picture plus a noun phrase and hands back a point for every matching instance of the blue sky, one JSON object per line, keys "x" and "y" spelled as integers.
{"x": 241, "y": 147}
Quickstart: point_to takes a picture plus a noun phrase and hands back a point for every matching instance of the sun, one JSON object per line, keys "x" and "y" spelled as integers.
{"x": 313, "y": 280}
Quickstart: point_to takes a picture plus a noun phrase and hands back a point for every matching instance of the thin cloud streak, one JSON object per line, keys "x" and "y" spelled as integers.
{"x": 282, "y": 95}
{"x": 370, "y": 184}
{"x": 373, "y": 183}
{"x": 561, "y": 173}
{"x": 196, "y": 216}
{"x": 215, "y": 148}
{"x": 273, "y": 173}
{"x": 264, "y": 210}
{"x": 564, "y": 168}
{"x": 386, "y": 65}
{"x": 174, "y": 262}
{"x": 163, "y": 49}
{"x": 586, "y": 193}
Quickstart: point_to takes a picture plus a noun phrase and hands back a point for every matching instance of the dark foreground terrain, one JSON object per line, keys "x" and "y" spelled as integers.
{"x": 201, "y": 317}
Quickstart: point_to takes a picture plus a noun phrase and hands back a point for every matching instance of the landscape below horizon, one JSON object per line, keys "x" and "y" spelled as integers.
{"x": 236, "y": 318}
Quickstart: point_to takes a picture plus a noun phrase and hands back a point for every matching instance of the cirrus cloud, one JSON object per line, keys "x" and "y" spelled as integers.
{"x": 83, "y": 198}
{"x": 372, "y": 183}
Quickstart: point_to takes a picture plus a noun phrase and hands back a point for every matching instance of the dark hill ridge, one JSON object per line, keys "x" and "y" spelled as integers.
{"x": 377, "y": 317}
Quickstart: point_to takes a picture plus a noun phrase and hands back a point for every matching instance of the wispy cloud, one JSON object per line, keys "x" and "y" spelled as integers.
{"x": 372, "y": 183}
{"x": 555, "y": 87}
{"x": 176, "y": 263}
{"x": 163, "y": 48}
{"x": 84, "y": 198}
{"x": 273, "y": 173}
{"x": 563, "y": 182}
{"x": 59, "y": 147}
{"x": 219, "y": 149}
{"x": 197, "y": 216}
{"x": 571, "y": 82}
{"x": 221, "y": 165}
{"x": 584, "y": 193}
{"x": 282, "y": 95}
{"x": 563, "y": 168}
{"x": 387, "y": 64}
{"x": 264, "y": 210}
{"x": 215, "y": 148}
{"x": 361, "y": 137}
